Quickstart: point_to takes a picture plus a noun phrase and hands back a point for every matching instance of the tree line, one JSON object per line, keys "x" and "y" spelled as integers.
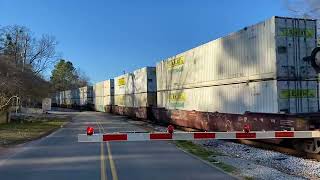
{"x": 24, "y": 58}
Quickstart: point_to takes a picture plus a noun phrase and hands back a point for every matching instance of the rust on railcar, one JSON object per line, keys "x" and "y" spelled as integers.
{"x": 215, "y": 121}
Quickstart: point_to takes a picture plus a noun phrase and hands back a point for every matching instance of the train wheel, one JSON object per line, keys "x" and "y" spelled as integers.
{"x": 312, "y": 146}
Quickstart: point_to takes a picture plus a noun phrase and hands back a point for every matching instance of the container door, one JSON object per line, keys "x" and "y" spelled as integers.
{"x": 298, "y": 96}
{"x": 295, "y": 38}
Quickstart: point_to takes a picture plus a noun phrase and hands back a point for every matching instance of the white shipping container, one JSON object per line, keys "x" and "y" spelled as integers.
{"x": 86, "y": 91}
{"x": 273, "y": 49}
{"x": 67, "y": 94}
{"x": 98, "y": 90}
{"x": 101, "y": 101}
{"x": 137, "y": 89}
{"x": 136, "y": 100}
{"x": 61, "y": 97}
{"x": 46, "y": 104}
{"x": 140, "y": 81}
{"x": 103, "y": 94}
{"x": 86, "y": 94}
{"x": 75, "y": 93}
{"x": 264, "y": 96}
{"x": 103, "y": 88}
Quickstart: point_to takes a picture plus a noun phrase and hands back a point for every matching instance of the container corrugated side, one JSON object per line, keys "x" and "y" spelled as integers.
{"x": 108, "y": 87}
{"x": 133, "y": 89}
{"x": 240, "y": 56}
{"x": 108, "y": 100}
{"x": 86, "y": 95}
{"x": 61, "y": 97}
{"x": 98, "y": 89}
{"x": 103, "y": 94}
{"x": 98, "y": 104}
{"x": 234, "y": 98}
{"x": 136, "y": 100}
{"x": 253, "y": 53}
{"x": 136, "y": 82}
{"x": 121, "y": 84}
{"x": 264, "y": 96}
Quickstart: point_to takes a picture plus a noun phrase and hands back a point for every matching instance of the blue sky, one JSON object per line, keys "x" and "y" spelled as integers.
{"x": 106, "y": 37}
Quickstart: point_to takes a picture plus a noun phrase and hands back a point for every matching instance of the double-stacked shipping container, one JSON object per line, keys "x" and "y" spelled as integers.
{"x": 103, "y": 95}
{"x": 135, "y": 93}
{"x": 260, "y": 69}
{"x": 86, "y": 97}
{"x": 80, "y": 98}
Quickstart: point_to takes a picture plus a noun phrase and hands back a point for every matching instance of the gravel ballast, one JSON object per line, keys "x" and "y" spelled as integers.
{"x": 269, "y": 164}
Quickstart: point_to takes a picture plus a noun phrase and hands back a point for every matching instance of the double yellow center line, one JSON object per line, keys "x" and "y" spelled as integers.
{"x": 103, "y": 173}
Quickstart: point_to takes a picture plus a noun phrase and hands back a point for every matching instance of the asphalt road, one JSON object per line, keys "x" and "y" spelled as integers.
{"x": 59, "y": 156}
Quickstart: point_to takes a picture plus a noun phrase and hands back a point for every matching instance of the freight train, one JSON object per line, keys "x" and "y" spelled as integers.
{"x": 264, "y": 76}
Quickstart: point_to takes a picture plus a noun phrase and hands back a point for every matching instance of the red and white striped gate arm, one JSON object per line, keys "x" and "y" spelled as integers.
{"x": 196, "y": 136}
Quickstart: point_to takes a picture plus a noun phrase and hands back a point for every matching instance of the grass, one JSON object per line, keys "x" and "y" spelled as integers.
{"x": 16, "y": 133}
{"x": 205, "y": 154}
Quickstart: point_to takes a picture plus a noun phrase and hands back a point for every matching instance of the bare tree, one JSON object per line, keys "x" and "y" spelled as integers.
{"x": 23, "y": 58}
{"x": 26, "y": 50}
{"x": 305, "y": 9}
{"x": 15, "y": 82}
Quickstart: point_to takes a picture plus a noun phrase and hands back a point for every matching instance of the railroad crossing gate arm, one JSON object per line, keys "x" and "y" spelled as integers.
{"x": 156, "y": 136}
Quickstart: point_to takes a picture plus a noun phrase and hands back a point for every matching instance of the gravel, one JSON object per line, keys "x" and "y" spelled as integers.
{"x": 269, "y": 163}
{"x": 255, "y": 171}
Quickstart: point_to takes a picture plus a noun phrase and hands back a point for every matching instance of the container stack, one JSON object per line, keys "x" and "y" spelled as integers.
{"x": 61, "y": 97}
{"x": 86, "y": 95}
{"x": 103, "y": 95}
{"x": 261, "y": 68}
{"x": 135, "y": 93}
{"x": 75, "y": 98}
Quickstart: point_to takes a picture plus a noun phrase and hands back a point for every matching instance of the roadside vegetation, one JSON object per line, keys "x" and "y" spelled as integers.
{"x": 205, "y": 154}
{"x": 65, "y": 76}
{"x": 24, "y": 131}
{"x": 25, "y": 60}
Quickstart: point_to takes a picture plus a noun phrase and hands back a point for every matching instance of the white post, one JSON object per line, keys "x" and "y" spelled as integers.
{"x": 17, "y": 99}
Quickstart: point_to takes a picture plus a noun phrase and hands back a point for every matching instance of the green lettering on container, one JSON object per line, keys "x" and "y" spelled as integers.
{"x": 176, "y": 62}
{"x": 177, "y": 99}
{"x": 295, "y": 32}
{"x": 297, "y": 93}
